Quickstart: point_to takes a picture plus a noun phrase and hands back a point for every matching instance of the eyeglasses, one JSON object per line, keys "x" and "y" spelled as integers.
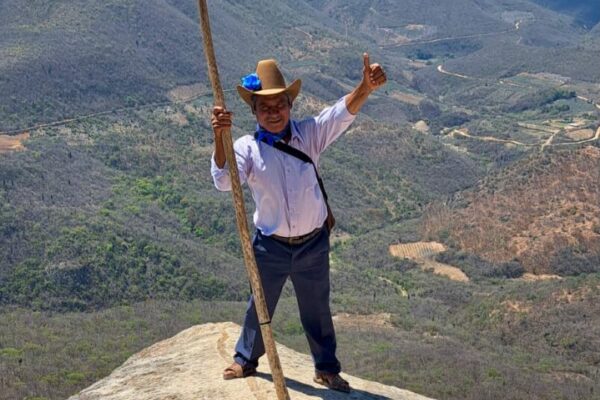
{"x": 263, "y": 108}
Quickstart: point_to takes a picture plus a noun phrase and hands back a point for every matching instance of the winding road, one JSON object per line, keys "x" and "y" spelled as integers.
{"x": 546, "y": 143}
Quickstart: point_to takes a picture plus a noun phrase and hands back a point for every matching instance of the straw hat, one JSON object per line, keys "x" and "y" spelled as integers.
{"x": 270, "y": 82}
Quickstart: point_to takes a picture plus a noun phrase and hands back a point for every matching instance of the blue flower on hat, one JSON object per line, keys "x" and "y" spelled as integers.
{"x": 251, "y": 82}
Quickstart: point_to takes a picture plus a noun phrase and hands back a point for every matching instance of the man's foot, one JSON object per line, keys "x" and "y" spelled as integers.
{"x": 235, "y": 370}
{"x": 332, "y": 381}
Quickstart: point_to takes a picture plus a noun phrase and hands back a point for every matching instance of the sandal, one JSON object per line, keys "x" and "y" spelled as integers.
{"x": 332, "y": 381}
{"x": 235, "y": 370}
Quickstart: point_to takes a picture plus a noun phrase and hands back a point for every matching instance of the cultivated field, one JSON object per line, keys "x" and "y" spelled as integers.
{"x": 423, "y": 253}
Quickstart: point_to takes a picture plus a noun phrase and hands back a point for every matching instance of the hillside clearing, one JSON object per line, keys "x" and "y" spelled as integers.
{"x": 423, "y": 253}
{"x": 10, "y": 143}
{"x": 529, "y": 277}
{"x": 381, "y": 320}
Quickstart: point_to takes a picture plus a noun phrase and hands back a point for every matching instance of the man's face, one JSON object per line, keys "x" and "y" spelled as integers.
{"x": 273, "y": 112}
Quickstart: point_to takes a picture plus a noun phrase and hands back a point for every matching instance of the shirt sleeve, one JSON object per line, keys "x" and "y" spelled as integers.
{"x": 221, "y": 176}
{"x": 330, "y": 124}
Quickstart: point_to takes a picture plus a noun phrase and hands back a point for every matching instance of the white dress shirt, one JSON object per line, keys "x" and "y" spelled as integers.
{"x": 285, "y": 190}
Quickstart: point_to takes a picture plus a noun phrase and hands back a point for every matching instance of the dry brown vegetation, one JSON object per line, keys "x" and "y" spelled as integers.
{"x": 568, "y": 296}
{"x": 532, "y": 212}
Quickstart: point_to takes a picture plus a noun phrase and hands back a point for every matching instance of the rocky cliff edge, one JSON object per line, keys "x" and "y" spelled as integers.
{"x": 189, "y": 366}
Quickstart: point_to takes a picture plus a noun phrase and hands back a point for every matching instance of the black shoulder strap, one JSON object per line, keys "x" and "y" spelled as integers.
{"x": 292, "y": 151}
{"x": 282, "y": 146}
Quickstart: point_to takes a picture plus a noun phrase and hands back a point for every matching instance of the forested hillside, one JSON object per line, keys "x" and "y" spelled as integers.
{"x": 122, "y": 207}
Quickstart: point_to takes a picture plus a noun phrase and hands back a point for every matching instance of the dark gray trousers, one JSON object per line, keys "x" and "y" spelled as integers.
{"x": 307, "y": 265}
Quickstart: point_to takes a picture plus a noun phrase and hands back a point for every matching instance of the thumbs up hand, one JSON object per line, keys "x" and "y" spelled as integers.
{"x": 373, "y": 78}
{"x": 373, "y": 75}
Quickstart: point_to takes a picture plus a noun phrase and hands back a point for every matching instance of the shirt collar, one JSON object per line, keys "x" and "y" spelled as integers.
{"x": 295, "y": 134}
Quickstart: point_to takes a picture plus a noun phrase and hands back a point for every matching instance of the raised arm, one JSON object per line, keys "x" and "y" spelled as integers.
{"x": 221, "y": 120}
{"x": 373, "y": 78}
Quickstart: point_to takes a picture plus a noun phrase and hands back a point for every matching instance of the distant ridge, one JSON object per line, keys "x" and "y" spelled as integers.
{"x": 585, "y": 12}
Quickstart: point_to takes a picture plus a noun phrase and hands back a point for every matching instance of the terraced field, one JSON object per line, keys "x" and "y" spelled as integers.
{"x": 423, "y": 254}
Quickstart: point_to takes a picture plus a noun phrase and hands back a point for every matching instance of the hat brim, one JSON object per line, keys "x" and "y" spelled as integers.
{"x": 292, "y": 90}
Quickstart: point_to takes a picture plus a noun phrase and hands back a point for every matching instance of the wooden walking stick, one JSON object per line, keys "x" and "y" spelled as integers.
{"x": 240, "y": 214}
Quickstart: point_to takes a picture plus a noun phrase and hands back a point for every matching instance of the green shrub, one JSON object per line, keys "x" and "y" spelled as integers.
{"x": 11, "y": 353}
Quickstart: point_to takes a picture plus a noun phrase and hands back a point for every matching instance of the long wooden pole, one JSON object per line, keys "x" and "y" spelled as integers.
{"x": 240, "y": 214}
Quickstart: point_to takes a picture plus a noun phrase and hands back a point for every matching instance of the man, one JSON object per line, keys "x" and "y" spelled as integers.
{"x": 291, "y": 239}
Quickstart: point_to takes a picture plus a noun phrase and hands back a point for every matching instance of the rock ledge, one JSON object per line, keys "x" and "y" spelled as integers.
{"x": 188, "y": 366}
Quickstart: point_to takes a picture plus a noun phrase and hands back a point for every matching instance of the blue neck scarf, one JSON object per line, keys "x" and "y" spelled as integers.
{"x": 270, "y": 137}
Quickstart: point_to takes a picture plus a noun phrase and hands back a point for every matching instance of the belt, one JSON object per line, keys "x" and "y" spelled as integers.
{"x": 297, "y": 239}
